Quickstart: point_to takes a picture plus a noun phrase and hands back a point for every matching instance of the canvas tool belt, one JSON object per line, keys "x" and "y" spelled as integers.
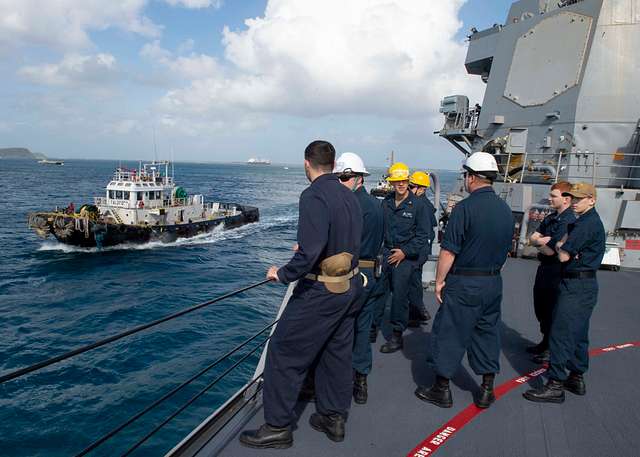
{"x": 367, "y": 263}
{"x": 336, "y": 273}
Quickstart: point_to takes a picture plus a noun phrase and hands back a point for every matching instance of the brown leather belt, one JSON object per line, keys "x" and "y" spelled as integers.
{"x": 334, "y": 279}
{"x": 366, "y": 263}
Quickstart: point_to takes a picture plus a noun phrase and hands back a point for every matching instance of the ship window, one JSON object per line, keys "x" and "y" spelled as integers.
{"x": 112, "y": 183}
{"x": 158, "y": 195}
{"x": 118, "y": 195}
{"x": 149, "y": 195}
{"x": 139, "y": 196}
{"x": 127, "y": 184}
{"x": 125, "y": 195}
{"x": 112, "y": 194}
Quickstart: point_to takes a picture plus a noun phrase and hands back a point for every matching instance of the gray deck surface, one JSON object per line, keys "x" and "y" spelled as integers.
{"x": 606, "y": 422}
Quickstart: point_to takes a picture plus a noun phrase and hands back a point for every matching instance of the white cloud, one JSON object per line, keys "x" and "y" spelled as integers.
{"x": 391, "y": 58}
{"x": 196, "y": 4}
{"x": 66, "y": 24}
{"x": 190, "y": 67}
{"x": 73, "y": 69}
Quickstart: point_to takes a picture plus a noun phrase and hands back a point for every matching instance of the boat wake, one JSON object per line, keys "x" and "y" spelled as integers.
{"x": 216, "y": 235}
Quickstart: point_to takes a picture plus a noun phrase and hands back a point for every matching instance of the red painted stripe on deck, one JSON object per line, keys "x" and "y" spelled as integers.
{"x": 433, "y": 442}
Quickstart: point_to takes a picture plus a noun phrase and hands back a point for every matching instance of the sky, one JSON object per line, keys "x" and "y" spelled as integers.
{"x": 226, "y": 80}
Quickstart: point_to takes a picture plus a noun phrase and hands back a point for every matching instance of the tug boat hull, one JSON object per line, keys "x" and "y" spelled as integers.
{"x": 84, "y": 232}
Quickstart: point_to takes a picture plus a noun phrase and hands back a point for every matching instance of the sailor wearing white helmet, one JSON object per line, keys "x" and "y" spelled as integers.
{"x": 476, "y": 242}
{"x": 351, "y": 172}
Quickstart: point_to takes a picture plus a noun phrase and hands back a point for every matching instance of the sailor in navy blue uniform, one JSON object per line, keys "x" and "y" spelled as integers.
{"x": 351, "y": 172}
{"x": 477, "y": 240}
{"x": 406, "y": 236}
{"x": 418, "y": 314}
{"x": 317, "y": 324}
{"x": 545, "y": 289}
{"x": 581, "y": 254}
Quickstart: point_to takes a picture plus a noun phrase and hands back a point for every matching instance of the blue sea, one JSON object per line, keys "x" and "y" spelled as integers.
{"x": 54, "y": 298}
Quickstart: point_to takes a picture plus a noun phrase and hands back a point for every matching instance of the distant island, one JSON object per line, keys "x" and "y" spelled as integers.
{"x": 20, "y": 153}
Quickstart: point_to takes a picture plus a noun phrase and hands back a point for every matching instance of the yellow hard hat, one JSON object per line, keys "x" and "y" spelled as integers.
{"x": 398, "y": 172}
{"x": 420, "y": 178}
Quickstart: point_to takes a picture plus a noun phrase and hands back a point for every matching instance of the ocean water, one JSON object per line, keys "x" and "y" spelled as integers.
{"x": 54, "y": 298}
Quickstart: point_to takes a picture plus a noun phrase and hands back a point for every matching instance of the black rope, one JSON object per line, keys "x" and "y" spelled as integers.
{"x": 193, "y": 399}
{"x": 169, "y": 394}
{"x": 46, "y": 363}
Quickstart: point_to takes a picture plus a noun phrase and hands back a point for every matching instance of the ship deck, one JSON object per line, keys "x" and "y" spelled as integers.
{"x": 605, "y": 422}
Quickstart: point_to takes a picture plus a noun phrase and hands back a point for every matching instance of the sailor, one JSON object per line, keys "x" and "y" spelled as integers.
{"x": 351, "y": 172}
{"x": 406, "y": 236}
{"x": 318, "y": 322}
{"x": 581, "y": 252}
{"x": 419, "y": 182}
{"x": 545, "y": 289}
{"x": 476, "y": 242}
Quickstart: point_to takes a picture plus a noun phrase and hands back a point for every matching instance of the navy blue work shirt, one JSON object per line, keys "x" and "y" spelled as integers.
{"x": 329, "y": 222}
{"x": 555, "y": 225}
{"x": 372, "y": 224}
{"x": 406, "y": 226}
{"x": 431, "y": 214}
{"x": 479, "y": 231}
{"x": 585, "y": 242}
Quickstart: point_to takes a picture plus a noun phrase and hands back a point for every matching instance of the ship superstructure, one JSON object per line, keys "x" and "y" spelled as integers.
{"x": 561, "y": 103}
{"x": 140, "y": 205}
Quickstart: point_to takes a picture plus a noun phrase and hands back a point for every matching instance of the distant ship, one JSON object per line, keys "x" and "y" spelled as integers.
{"x": 51, "y": 162}
{"x": 258, "y": 161}
{"x": 140, "y": 205}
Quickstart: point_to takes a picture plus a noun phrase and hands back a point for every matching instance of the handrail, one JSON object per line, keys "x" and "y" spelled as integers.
{"x": 45, "y": 363}
{"x": 193, "y": 399}
{"x": 173, "y": 391}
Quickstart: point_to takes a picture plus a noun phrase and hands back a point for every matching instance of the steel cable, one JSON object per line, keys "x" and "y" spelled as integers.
{"x": 30, "y": 369}
{"x": 172, "y": 392}
{"x": 193, "y": 399}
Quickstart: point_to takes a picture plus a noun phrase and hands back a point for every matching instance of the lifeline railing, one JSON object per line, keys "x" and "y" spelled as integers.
{"x": 67, "y": 355}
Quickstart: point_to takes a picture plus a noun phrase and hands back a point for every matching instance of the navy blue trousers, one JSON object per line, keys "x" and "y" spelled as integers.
{"x": 316, "y": 325}
{"x": 545, "y": 295}
{"x": 371, "y": 295}
{"x": 416, "y": 291}
{"x": 467, "y": 321}
{"x": 396, "y": 280}
{"x": 569, "y": 340}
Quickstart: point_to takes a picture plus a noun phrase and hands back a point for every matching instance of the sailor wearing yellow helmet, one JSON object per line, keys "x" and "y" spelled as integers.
{"x": 419, "y": 182}
{"x": 406, "y": 236}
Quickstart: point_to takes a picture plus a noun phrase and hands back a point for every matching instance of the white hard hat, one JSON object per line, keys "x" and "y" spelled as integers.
{"x": 481, "y": 163}
{"x": 349, "y": 162}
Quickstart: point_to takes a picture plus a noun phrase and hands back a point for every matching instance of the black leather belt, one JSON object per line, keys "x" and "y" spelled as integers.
{"x": 578, "y": 274}
{"x": 471, "y": 272}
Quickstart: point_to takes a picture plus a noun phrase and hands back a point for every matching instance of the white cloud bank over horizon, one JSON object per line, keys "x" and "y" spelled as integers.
{"x": 393, "y": 59}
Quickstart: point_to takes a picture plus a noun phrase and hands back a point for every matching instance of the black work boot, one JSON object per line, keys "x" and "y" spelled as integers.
{"x": 552, "y": 392}
{"x": 485, "y": 397}
{"x": 439, "y": 394}
{"x": 418, "y": 315}
{"x": 543, "y": 357}
{"x": 373, "y": 334}
{"x": 360, "y": 388}
{"x": 538, "y": 348}
{"x": 575, "y": 384}
{"x": 267, "y": 437}
{"x": 394, "y": 344}
{"x": 331, "y": 425}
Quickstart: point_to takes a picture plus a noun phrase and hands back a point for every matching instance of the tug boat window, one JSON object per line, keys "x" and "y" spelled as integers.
{"x": 139, "y": 196}
{"x": 125, "y": 195}
{"x": 118, "y": 195}
{"x": 112, "y": 194}
{"x": 158, "y": 195}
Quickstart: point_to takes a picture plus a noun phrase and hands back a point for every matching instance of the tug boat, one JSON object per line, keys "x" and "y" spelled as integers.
{"x": 140, "y": 205}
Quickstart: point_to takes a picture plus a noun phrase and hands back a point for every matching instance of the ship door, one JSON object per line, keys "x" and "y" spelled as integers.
{"x": 181, "y": 218}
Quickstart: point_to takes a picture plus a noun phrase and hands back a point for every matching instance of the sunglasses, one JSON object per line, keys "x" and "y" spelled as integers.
{"x": 345, "y": 178}
{"x": 412, "y": 186}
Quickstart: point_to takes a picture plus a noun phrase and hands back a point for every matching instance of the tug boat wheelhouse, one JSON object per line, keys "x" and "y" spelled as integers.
{"x": 140, "y": 205}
